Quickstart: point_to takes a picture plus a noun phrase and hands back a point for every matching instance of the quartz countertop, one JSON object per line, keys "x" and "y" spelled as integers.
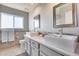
{"x": 50, "y": 45}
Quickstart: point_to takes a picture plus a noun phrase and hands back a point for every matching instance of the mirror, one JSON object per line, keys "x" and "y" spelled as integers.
{"x": 64, "y": 15}
{"x": 36, "y": 22}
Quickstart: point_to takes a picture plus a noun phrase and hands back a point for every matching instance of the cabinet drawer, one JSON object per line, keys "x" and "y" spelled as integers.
{"x": 34, "y": 51}
{"x": 34, "y": 44}
{"x": 48, "y": 51}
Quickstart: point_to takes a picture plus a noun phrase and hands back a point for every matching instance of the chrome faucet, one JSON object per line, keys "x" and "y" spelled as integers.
{"x": 60, "y": 31}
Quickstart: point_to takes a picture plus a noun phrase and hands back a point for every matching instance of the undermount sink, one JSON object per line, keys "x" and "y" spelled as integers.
{"x": 65, "y": 42}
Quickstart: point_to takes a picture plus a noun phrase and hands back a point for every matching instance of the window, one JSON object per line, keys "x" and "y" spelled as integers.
{"x": 11, "y": 21}
{"x": 18, "y": 22}
{"x": 6, "y": 20}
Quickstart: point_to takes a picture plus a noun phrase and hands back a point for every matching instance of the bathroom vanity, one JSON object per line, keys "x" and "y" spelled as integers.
{"x": 64, "y": 16}
{"x": 50, "y": 45}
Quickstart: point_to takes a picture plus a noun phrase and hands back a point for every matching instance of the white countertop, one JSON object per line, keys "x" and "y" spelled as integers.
{"x": 50, "y": 45}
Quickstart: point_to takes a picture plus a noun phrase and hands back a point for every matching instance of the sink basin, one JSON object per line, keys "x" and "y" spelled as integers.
{"x": 33, "y": 33}
{"x": 65, "y": 42}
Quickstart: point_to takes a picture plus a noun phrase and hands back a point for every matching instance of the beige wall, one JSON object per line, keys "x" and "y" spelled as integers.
{"x": 46, "y": 14}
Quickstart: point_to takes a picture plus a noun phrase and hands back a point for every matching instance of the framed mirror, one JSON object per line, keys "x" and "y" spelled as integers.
{"x": 36, "y": 22}
{"x": 64, "y": 15}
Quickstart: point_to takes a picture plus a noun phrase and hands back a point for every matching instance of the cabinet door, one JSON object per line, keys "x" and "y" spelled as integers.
{"x": 34, "y": 44}
{"x": 34, "y": 51}
{"x": 28, "y": 48}
{"x": 48, "y": 51}
{"x": 27, "y": 45}
{"x": 42, "y": 54}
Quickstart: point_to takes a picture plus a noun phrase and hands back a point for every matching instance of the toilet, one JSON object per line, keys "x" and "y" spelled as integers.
{"x": 22, "y": 44}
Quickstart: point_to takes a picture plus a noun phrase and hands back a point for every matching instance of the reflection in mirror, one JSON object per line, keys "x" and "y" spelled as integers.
{"x": 36, "y": 22}
{"x": 64, "y": 15}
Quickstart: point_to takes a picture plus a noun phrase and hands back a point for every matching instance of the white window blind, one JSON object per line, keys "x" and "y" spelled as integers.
{"x": 11, "y": 21}
{"x": 6, "y": 20}
{"x": 18, "y": 22}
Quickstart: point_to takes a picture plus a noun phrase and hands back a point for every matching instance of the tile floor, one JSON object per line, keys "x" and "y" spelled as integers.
{"x": 11, "y": 51}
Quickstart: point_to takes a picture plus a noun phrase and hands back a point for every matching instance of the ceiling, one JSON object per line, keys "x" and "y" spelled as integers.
{"x": 27, "y": 7}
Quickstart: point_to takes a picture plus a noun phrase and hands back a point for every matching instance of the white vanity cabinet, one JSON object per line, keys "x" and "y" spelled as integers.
{"x": 27, "y": 45}
{"x": 31, "y": 47}
{"x": 34, "y": 51}
{"x": 34, "y": 44}
{"x": 34, "y": 48}
{"x": 45, "y": 51}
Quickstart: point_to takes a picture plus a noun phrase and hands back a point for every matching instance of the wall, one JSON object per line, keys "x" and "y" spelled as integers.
{"x": 46, "y": 13}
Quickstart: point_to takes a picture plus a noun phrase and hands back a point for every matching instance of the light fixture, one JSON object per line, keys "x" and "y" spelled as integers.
{"x": 26, "y": 9}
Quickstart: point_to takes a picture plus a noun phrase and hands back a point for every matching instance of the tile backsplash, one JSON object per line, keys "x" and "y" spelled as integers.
{"x": 73, "y": 30}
